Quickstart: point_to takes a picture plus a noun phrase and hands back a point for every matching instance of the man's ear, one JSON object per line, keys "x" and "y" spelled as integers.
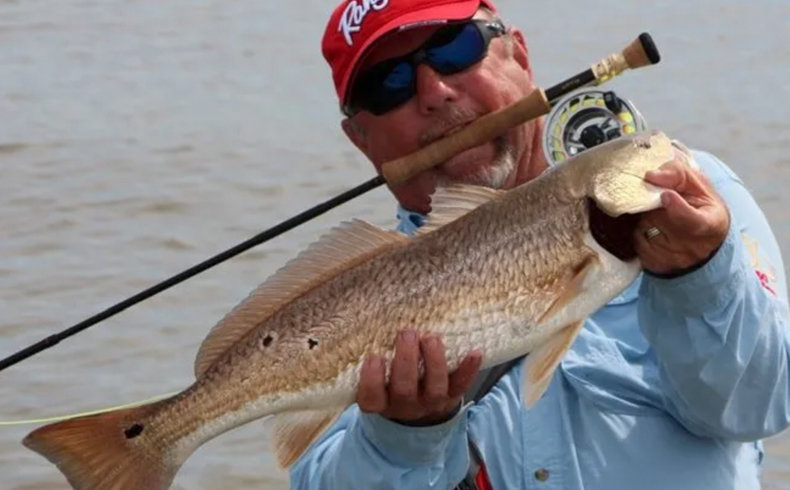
{"x": 356, "y": 133}
{"x": 520, "y": 50}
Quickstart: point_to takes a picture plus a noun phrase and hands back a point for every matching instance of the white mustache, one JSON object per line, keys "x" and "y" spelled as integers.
{"x": 452, "y": 117}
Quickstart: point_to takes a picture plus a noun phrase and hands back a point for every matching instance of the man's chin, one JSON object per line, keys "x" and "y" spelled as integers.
{"x": 494, "y": 175}
{"x": 479, "y": 166}
{"x": 483, "y": 166}
{"x": 464, "y": 166}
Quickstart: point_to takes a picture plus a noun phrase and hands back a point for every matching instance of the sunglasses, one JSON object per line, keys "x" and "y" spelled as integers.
{"x": 391, "y": 83}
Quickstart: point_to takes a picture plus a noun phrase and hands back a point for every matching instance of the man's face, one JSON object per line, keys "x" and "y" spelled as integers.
{"x": 445, "y": 103}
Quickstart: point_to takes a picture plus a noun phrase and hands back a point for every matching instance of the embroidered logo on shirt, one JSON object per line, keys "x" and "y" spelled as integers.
{"x": 355, "y": 13}
{"x": 764, "y": 271}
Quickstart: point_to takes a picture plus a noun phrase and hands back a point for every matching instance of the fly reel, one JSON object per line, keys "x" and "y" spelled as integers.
{"x": 586, "y": 118}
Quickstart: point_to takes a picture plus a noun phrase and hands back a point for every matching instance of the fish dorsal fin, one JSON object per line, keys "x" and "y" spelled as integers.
{"x": 343, "y": 247}
{"x": 451, "y": 202}
{"x": 294, "y": 432}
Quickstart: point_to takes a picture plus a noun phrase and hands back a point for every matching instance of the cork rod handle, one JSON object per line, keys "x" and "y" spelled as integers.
{"x": 640, "y": 52}
{"x": 484, "y": 129}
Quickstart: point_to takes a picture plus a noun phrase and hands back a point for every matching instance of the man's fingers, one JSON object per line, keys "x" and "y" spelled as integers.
{"x": 678, "y": 211}
{"x": 461, "y": 379}
{"x": 404, "y": 375}
{"x": 372, "y": 390}
{"x": 435, "y": 381}
{"x": 679, "y": 176}
{"x": 667, "y": 176}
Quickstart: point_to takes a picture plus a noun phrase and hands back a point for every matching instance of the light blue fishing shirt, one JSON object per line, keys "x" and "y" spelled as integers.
{"x": 666, "y": 387}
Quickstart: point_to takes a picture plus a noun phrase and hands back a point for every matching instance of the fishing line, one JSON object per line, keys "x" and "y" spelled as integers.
{"x": 60, "y": 418}
{"x": 640, "y": 52}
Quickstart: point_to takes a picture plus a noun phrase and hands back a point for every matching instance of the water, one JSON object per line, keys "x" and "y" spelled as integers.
{"x": 138, "y": 138}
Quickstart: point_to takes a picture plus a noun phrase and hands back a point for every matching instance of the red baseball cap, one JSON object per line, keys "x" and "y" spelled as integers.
{"x": 356, "y": 24}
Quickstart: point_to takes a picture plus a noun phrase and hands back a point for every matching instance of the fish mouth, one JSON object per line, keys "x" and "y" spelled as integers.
{"x": 616, "y": 235}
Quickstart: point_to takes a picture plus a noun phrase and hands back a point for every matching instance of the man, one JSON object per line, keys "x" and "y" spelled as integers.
{"x": 666, "y": 387}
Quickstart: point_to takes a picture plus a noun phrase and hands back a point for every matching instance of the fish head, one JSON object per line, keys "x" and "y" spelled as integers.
{"x": 611, "y": 177}
{"x": 613, "y": 174}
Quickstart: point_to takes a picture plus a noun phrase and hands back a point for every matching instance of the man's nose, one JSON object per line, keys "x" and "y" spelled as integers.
{"x": 433, "y": 92}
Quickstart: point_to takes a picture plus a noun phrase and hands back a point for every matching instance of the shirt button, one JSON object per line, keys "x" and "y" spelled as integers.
{"x": 542, "y": 474}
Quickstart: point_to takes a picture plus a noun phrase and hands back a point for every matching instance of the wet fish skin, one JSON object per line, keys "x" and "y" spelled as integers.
{"x": 507, "y": 273}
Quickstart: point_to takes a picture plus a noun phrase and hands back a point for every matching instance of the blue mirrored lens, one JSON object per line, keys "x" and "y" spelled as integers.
{"x": 401, "y": 77}
{"x": 466, "y": 49}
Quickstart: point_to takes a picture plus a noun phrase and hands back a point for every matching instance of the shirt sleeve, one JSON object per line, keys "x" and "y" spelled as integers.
{"x": 721, "y": 332}
{"x": 366, "y": 451}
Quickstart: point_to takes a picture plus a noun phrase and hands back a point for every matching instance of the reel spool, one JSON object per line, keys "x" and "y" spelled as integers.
{"x": 586, "y": 118}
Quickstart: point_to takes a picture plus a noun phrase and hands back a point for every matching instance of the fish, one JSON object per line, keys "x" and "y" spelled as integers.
{"x": 507, "y": 273}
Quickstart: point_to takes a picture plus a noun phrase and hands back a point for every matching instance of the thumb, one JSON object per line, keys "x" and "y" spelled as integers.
{"x": 679, "y": 177}
{"x": 668, "y": 177}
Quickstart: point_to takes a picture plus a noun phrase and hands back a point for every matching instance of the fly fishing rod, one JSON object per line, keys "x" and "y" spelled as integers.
{"x": 640, "y": 52}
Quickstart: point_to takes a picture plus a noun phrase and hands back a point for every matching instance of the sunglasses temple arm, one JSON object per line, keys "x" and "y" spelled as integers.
{"x": 640, "y": 52}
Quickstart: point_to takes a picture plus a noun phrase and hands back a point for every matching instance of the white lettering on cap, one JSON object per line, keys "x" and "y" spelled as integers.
{"x": 354, "y": 14}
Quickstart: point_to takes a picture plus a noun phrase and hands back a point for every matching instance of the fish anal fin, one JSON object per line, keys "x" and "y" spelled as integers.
{"x": 294, "y": 432}
{"x": 542, "y": 362}
{"x": 451, "y": 202}
{"x": 343, "y": 247}
{"x": 572, "y": 289}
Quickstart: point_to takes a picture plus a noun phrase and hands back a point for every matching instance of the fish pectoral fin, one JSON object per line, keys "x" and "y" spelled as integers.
{"x": 542, "y": 362}
{"x": 572, "y": 289}
{"x": 294, "y": 432}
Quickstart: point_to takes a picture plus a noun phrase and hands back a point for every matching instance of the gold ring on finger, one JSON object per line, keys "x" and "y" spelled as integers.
{"x": 651, "y": 233}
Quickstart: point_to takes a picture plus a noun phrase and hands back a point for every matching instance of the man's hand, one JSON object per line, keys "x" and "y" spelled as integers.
{"x": 692, "y": 224}
{"x": 407, "y": 398}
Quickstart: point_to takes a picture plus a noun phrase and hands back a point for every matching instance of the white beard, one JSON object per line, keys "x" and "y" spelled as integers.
{"x": 495, "y": 175}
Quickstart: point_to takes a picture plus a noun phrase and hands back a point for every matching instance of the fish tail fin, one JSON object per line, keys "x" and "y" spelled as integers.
{"x": 107, "y": 451}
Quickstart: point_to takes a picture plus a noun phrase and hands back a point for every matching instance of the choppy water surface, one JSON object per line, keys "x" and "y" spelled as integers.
{"x": 138, "y": 138}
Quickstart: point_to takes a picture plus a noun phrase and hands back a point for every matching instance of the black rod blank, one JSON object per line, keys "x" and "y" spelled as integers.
{"x": 194, "y": 270}
{"x": 552, "y": 94}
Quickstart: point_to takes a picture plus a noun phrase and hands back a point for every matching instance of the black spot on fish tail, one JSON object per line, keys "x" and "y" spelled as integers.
{"x": 312, "y": 343}
{"x": 133, "y": 431}
{"x": 267, "y": 341}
